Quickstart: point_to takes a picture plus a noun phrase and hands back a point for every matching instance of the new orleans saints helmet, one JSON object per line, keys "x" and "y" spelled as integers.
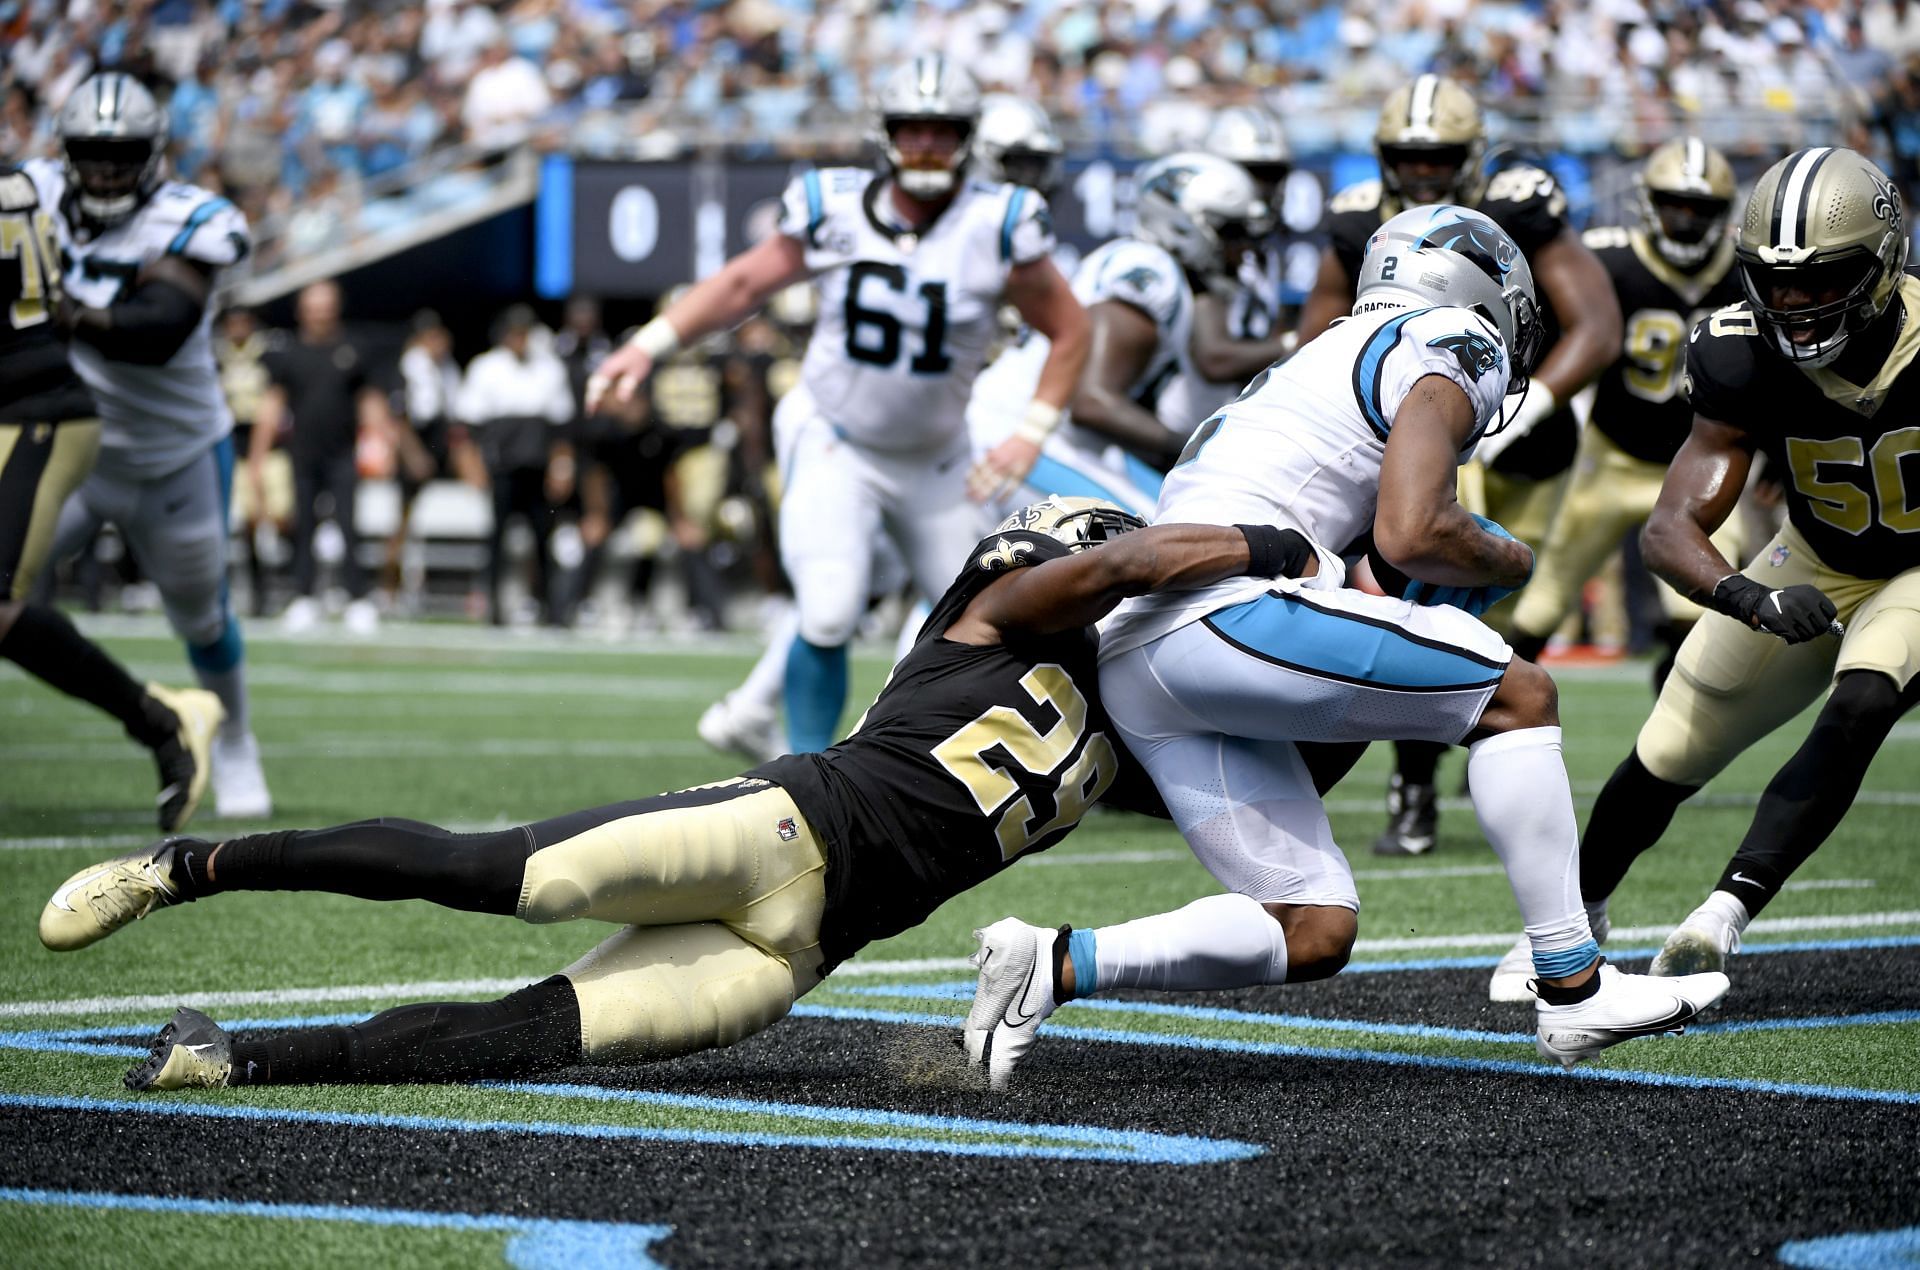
{"x": 1457, "y": 257}
{"x": 1016, "y": 142}
{"x": 1195, "y": 206}
{"x": 1436, "y": 121}
{"x": 1078, "y": 522}
{"x": 1821, "y": 250}
{"x": 115, "y": 137}
{"x": 1252, "y": 137}
{"x": 1686, "y": 198}
{"x": 926, "y": 88}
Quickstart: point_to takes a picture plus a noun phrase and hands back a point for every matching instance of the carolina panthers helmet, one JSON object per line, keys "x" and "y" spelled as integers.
{"x": 1455, "y": 256}
{"x": 1821, "y": 251}
{"x": 115, "y": 137}
{"x": 1194, "y": 205}
{"x": 1016, "y": 142}
{"x": 1435, "y": 120}
{"x": 1686, "y": 198}
{"x": 1253, "y": 137}
{"x": 1078, "y": 522}
{"x": 927, "y": 88}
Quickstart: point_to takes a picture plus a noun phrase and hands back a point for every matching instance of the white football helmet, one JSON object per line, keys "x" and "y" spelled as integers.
{"x": 1017, "y": 143}
{"x": 1252, "y": 137}
{"x": 1078, "y": 522}
{"x": 1194, "y": 205}
{"x": 927, "y": 88}
{"x": 115, "y": 137}
{"x": 1455, "y": 256}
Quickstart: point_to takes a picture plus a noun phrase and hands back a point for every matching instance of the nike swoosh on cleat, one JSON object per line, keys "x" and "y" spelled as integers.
{"x": 59, "y": 899}
{"x": 166, "y": 795}
{"x": 196, "y": 1050}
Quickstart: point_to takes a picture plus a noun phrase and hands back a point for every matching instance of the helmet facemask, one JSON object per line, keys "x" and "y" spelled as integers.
{"x": 1810, "y": 311}
{"x": 1079, "y": 523}
{"x": 1449, "y": 177}
{"x": 918, "y": 169}
{"x": 1684, "y": 229}
{"x": 111, "y": 175}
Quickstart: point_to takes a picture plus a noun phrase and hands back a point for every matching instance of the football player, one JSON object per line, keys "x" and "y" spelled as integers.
{"x": 734, "y": 899}
{"x": 49, "y": 434}
{"x": 1431, "y": 143}
{"x": 1247, "y": 305}
{"x": 1196, "y": 218}
{"x": 1668, "y": 272}
{"x": 1815, "y": 368}
{"x": 1017, "y": 144}
{"x": 912, "y": 262}
{"x": 1212, "y": 687}
{"x": 141, "y": 255}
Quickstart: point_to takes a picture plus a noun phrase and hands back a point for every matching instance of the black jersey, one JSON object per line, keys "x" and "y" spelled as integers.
{"x": 37, "y": 385}
{"x": 1638, "y": 404}
{"x": 1849, "y": 453}
{"x": 971, "y": 757}
{"x": 1526, "y": 202}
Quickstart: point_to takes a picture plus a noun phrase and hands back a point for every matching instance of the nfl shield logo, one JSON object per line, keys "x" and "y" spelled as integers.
{"x": 787, "y": 830}
{"x": 1779, "y": 556}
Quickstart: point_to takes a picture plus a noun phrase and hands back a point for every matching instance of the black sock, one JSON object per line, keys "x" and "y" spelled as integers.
{"x": 387, "y": 859}
{"x": 1633, "y": 810}
{"x": 44, "y": 643}
{"x": 1061, "y": 955}
{"x": 536, "y": 1029}
{"x": 1416, "y": 761}
{"x": 1570, "y": 996}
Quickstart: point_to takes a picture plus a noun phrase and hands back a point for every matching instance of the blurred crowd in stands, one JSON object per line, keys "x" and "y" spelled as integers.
{"x": 298, "y": 108}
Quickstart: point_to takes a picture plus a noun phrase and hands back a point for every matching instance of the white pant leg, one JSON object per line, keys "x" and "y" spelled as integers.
{"x": 98, "y": 500}
{"x": 829, "y": 513}
{"x": 929, "y": 516}
{"x": 178, "y": 533}
{"x": 1247, "y": 808}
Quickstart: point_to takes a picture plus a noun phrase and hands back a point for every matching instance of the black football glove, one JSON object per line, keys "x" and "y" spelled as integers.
{"x": 1795, "y": 614}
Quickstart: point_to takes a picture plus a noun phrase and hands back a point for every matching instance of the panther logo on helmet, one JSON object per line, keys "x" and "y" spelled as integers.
{"x": 1494, "y": 253}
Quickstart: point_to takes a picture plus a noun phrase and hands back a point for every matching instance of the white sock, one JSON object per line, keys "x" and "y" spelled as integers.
{"x": 766, "y": 683}
{"x": 1222, "y": 941}
{"x": 1525, "y": 807}
{"x": 1727, "y": 907}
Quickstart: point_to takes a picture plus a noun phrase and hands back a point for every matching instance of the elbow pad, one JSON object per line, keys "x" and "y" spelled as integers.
{"x": 147, "y": 328}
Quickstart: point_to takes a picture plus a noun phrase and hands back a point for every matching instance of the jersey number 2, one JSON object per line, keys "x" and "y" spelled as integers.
{"x": 964, "y": 755}
{"x": 883, "y": 347}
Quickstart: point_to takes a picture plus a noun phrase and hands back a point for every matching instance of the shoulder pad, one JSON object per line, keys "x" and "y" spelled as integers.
{"x": 17, "y": 191}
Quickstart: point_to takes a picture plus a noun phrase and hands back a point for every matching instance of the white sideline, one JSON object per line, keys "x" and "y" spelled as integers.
{"x": 855, "y": 969}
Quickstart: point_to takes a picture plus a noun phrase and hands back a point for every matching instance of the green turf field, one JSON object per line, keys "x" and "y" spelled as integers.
{"x": 474, "y": 732}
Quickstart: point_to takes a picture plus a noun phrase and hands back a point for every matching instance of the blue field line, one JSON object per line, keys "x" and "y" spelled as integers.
{"x": 1486, "y": 960}
{"x": 1075, "y": 1142}
{"x": 1810, "y": 1024}
{"x": 1841, "y": 1093}
{"x": 1863, "y": 1250}
{"x": 536, "y": 1243}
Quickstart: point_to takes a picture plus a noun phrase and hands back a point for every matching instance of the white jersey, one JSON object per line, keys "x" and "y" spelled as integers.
{"x": 1128, "y": 270}
{"x": 905, "y": 319}
{"x": 154, "y": 419}
{"x": 1302, "y": 448}
{"x": 1252, "y": 314}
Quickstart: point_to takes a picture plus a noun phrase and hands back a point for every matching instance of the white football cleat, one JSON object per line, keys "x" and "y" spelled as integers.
{"x": 741, "y": 727}
{"x": 1013, "y": 997}
{"x": 239, "y": 786}
{"x": 191, "y": 1052}
{"x": 100, "y": 899}
{"x": 362, "y": 618}
{"x": 1704, "y": 942}
{"x": 1626, "y": 1006}
{"x": 301, "y": 615}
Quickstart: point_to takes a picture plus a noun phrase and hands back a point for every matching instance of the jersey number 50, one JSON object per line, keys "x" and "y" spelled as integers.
{"x": 964, "y": 755}
{"x": 882, "y": 348}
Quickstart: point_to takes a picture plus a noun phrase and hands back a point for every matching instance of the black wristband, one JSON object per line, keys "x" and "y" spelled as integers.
{"x": 1275, "y": 553}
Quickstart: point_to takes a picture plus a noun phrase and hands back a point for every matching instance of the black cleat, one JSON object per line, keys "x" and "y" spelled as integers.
{"x": 1413, "y": 819}
{"x": 191, "y": 1052}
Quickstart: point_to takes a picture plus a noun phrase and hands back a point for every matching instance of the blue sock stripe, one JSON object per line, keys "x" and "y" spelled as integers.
{"x": 1086, "y": 966}
{"x": 816, "y": 692}
{"x": 1565, "y": 961}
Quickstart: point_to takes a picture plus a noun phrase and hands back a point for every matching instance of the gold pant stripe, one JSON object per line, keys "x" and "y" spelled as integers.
{"x": 64, "y": 454}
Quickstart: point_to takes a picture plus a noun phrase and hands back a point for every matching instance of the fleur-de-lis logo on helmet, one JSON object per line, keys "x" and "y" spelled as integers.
{"x": 1886, "y": 203}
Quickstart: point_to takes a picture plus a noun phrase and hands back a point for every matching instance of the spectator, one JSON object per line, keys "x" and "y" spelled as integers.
{"x": 425, "y": 447}
{"x": 507, "y": 93}
{"x": 240, "y": 346}
{"x": 517, "y": 400}
{"x": 322, "y": 394}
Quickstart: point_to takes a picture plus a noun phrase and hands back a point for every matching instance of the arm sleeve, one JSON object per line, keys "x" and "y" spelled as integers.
{"x": 145, "y": 329}
{"x": 1026, "y": 227}
{"x": 214, "y": 233}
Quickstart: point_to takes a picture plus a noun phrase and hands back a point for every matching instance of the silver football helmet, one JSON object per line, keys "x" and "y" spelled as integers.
{"x": 927, "y": 88}
{"x": 115, "y": 137}
{"x": 1016, "y": 142}
{"x": 1196, "y": 205}
{"x": 1455, "y": 256}
{"x": 1078, "y": 522}
{"x": 1252, "y": 137}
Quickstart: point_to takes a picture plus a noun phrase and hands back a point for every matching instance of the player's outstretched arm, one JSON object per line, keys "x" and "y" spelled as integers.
{"x": 1045, "y": 302}
{"x": 147, "y": 327}
{"x": 1124, "y": 338}
{"x": 715, "y": 303}
{"x": 1702, "y": 487}
{"x": 1330, "y": 300}
{"x": 1419, "y": 525}
{"x": 1078, "y": 590}
{"x": 1221, "y": 358}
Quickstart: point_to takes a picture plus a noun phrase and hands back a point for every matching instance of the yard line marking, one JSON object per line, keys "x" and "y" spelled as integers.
{"x": 1054, "y": 1141}
{"x": 387, "y": 746}
{"x": 535, "y": 1242}
{"x": 1144, "y": 856}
